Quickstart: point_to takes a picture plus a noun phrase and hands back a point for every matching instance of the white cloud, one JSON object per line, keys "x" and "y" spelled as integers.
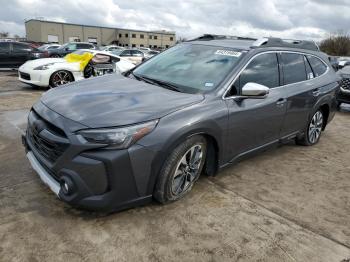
{"x": 280, "y": 18}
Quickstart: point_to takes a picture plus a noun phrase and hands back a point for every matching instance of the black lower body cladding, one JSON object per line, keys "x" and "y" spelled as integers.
{"x": 90, "y": 178}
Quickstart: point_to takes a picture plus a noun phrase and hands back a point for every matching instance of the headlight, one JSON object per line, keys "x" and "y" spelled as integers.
{"x": 43, "y": 67}
{"x": 118, "y": 138}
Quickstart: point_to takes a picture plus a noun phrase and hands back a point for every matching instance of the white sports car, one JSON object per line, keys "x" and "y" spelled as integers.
{"x": 52, "y": 72}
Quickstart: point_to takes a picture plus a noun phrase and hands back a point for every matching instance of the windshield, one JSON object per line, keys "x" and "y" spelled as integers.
{"x": 192, "y": 68}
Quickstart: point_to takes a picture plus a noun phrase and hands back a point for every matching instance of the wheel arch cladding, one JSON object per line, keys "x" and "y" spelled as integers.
{"x": 325, "y": 111}
{"x": 213, "y": 153}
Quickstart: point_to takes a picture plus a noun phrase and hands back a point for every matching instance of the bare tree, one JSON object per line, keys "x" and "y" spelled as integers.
{"x": 181, "y": 39}
{"x": 4, "y": 34}
{"x": 336, "y": 44}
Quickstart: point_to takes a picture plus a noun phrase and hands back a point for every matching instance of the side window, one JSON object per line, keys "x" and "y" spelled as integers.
{"x": 137, "y": 53}
{"x": 4, "y": 47}
{"x": 125, "y": 53}
{"x": 309, "y": 72}
{"x": 262, "y": 70}
{"x": 17, "y": 47}
{"x": 72, "y": 47}
{"x": 317, "y": 65}
{"x": 84, "y": 46}
{"x": 293, "y": 68}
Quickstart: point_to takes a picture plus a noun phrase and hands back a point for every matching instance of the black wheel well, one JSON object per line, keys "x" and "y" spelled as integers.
{"x": 212, "y": 160}
{"x": 325, "y": 111}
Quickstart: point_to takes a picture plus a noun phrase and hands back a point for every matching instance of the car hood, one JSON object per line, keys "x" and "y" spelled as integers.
{"x": 115, "y": 100}
{"x": 43, "y": 61}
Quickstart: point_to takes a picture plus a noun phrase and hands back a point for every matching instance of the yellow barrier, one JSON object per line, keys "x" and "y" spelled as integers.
{"x": 82, "y": 59}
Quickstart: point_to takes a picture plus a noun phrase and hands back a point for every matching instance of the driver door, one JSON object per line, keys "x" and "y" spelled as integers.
{"x": 256, "y": 122}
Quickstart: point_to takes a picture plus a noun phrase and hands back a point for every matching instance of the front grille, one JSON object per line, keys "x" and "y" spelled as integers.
{"x": 345, "y": 83}
{"x": 50, "y": 148}
{"x": 24, "y": 75}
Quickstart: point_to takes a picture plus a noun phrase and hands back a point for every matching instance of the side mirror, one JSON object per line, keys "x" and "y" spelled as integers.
{"x": 254, "y": 90}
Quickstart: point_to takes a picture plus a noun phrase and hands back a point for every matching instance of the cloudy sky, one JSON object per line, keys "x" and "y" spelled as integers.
{"x": 303, "y": 19}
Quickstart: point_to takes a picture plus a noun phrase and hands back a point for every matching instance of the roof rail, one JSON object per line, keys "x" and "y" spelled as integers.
{"x": 208, "y": 37}
{"x": 290, "y": 43}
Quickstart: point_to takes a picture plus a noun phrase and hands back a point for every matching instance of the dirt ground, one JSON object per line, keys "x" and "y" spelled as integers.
{"x": 288, "y": 204}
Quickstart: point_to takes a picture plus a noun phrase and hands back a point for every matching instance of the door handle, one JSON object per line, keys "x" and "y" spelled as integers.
{"x": 280, "y": 102}
{"x": 316, "y": 92}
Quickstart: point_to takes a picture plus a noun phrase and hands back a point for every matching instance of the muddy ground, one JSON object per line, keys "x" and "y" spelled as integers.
{"x": 288, "y": 204}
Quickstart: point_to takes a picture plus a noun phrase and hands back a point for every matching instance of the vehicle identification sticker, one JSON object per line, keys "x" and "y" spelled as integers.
{"x": 228, "y": 53}
{"x": 209, "y": 84}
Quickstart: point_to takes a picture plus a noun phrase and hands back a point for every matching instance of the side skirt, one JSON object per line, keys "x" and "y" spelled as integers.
{"x": 283, "y": 140}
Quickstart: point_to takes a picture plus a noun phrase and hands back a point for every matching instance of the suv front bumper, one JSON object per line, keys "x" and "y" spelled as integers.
{"x": 92, "y": 178}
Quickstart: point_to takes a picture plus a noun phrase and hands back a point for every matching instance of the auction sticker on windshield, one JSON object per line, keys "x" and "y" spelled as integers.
{"x": 228, "y": 53}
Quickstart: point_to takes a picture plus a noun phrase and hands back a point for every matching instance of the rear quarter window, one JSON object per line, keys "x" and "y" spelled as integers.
{"x": 317, "y": 65}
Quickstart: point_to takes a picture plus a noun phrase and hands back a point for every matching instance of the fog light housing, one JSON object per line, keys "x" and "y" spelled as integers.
{"x": 67, "y": 185}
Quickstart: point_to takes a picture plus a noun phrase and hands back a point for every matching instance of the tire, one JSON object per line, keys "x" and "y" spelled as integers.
{"x": 314, "y": 130}
{"x": 176, "y": 177}
{"x": 55, "y": 56}
{"x": 60, "y": 77}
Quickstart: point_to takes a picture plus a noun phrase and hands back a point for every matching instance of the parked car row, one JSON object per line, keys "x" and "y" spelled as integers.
{"x": 13, "y": 54}
{"x": 338, "y": 62}
{"x": 81, "y": 64}
{"x": 342, "y": 66}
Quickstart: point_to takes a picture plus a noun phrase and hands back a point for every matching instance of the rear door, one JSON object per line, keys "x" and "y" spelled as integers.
{"x": 5, "y": 59}
{"x": 255, "y": 122}
{"x": 20, "y": 53}
{"x": 300, "y": 89}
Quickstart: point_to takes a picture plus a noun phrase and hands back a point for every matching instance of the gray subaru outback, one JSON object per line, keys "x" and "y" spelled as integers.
{"x": 118, "y": 141}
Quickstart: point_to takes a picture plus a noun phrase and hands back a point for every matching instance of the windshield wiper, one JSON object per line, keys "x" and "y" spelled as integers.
{"x": 158, "y": 82}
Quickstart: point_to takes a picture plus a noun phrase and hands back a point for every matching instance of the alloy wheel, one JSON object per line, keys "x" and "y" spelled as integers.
{"x": 187, "y": 170}
{"x": 315, "y": 127}
{"x": 61, "y": 78}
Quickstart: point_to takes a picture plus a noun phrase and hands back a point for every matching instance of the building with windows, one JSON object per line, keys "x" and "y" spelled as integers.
{"x": 57, "y": 32}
